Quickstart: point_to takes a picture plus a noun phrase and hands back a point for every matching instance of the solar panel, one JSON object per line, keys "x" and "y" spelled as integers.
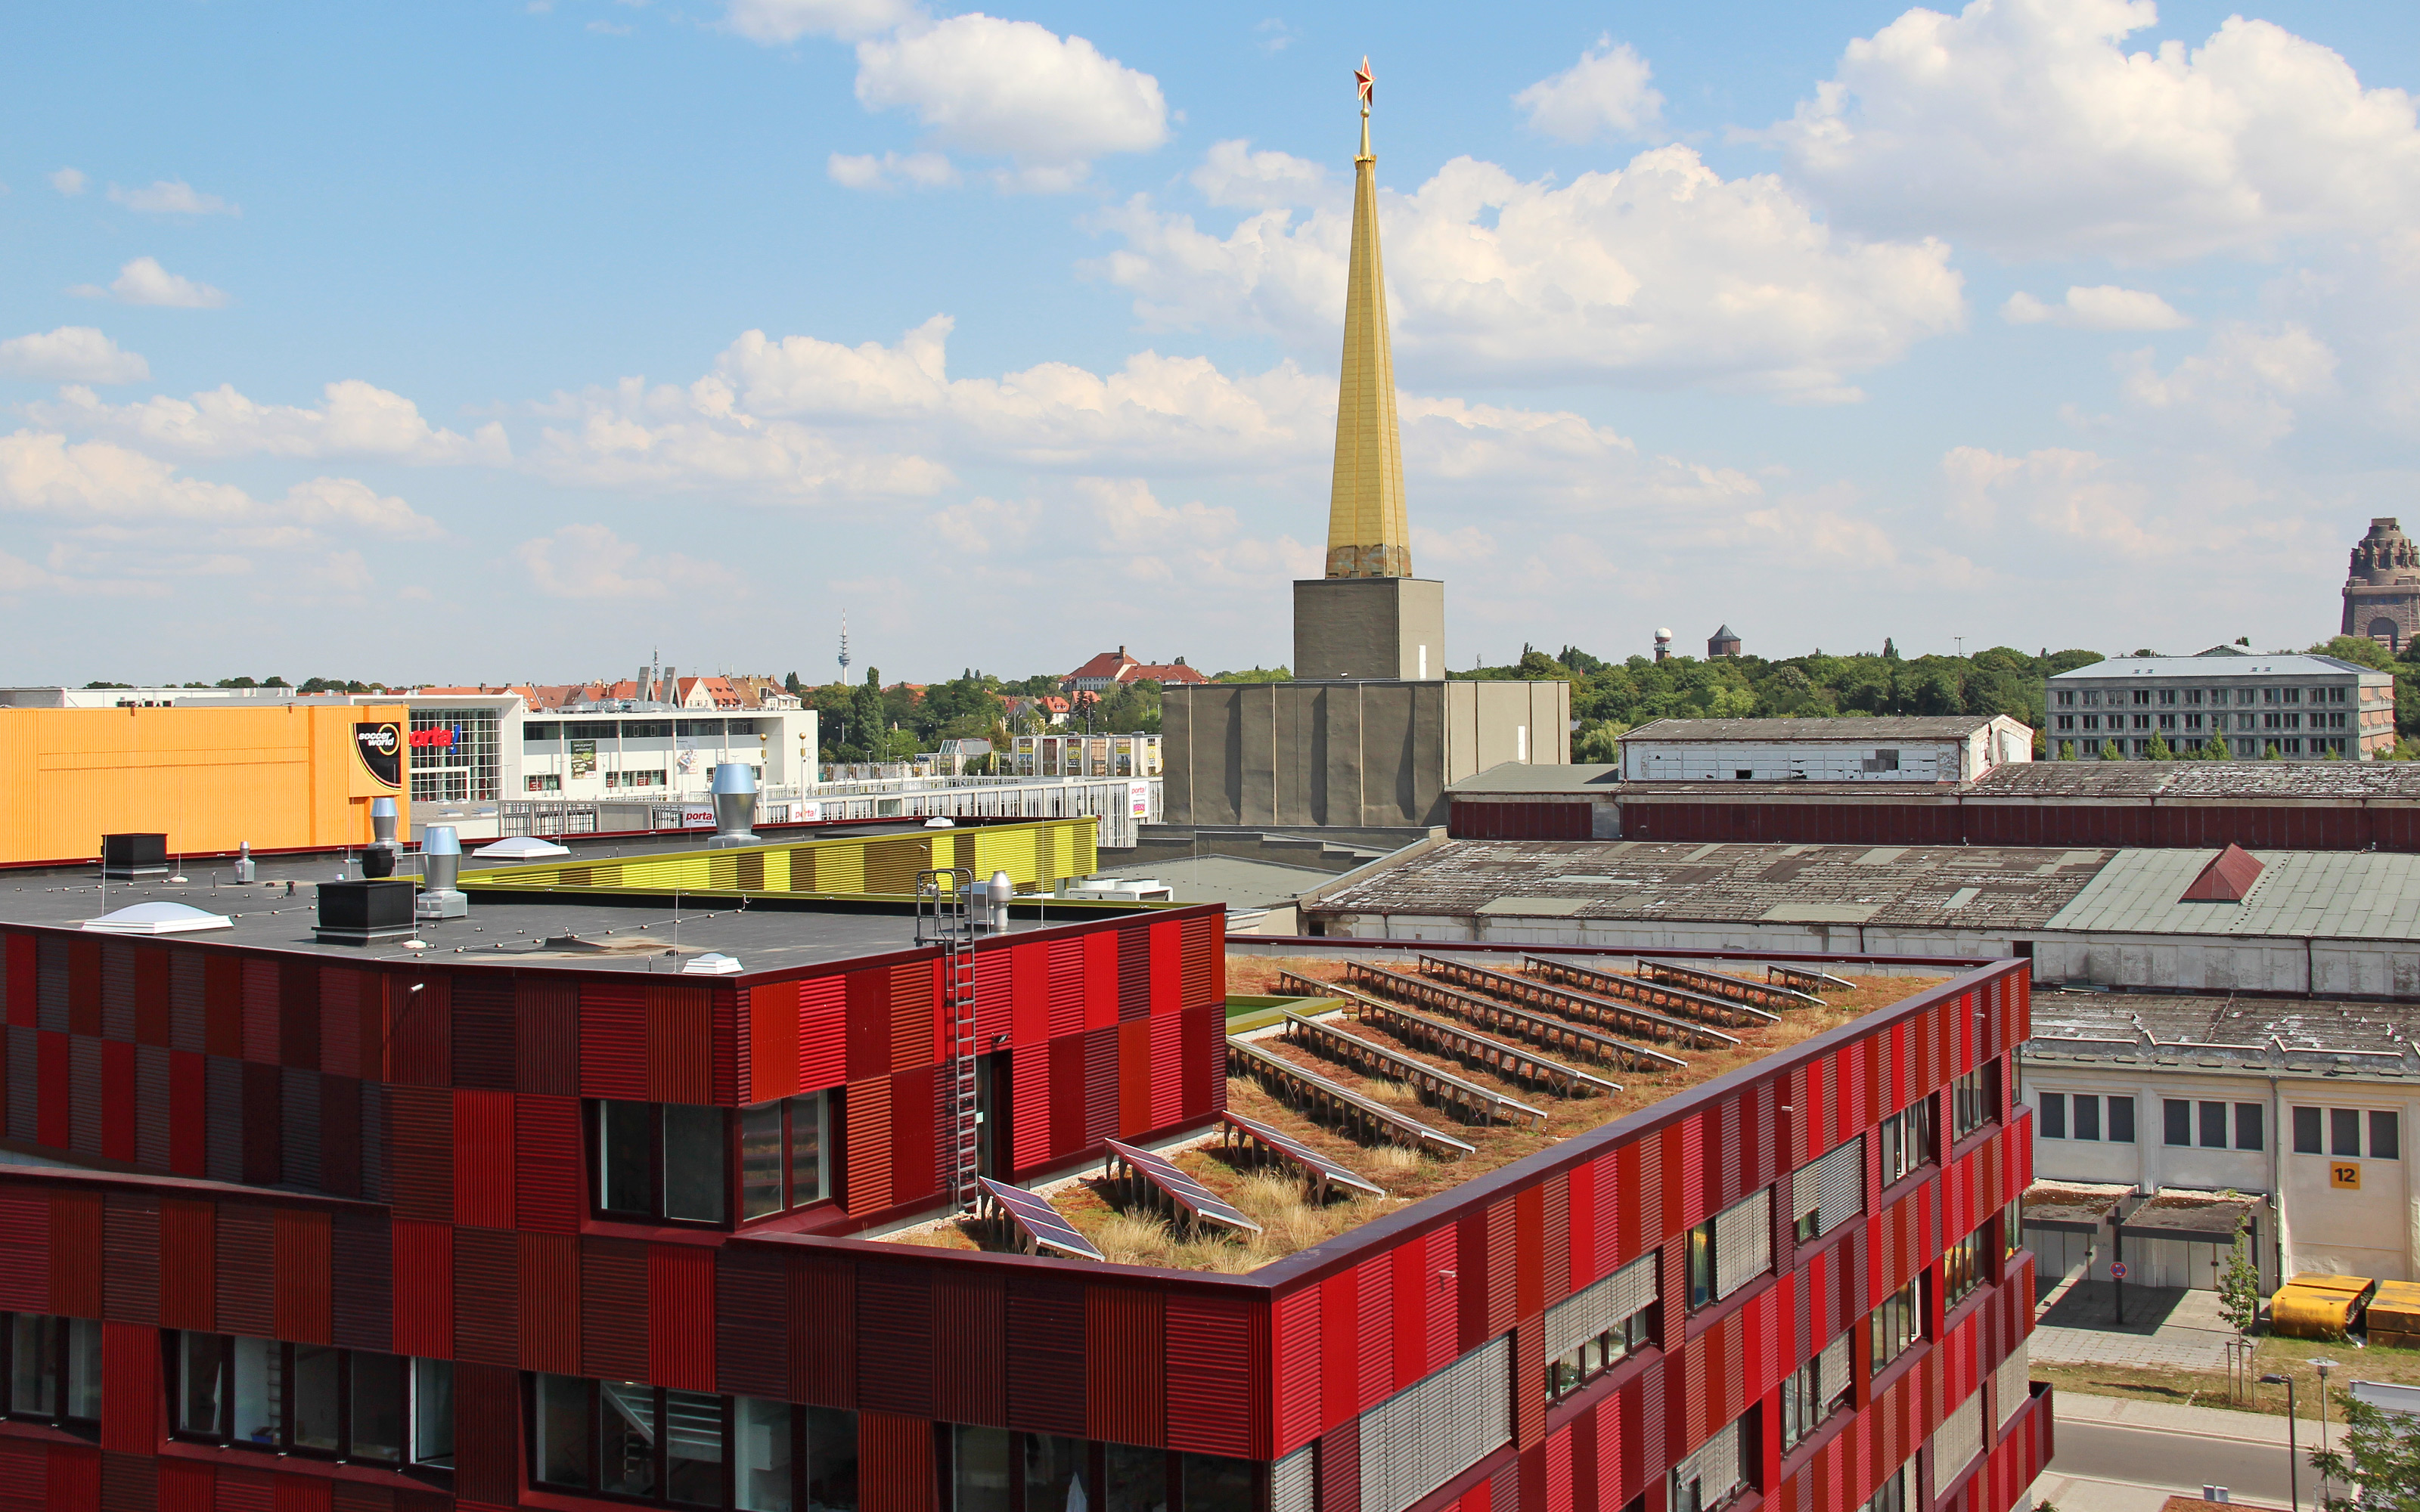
{"x": 1191, "y": 1197}
{"x": 1295, "y": 1152}
{"x": 1035, "y": 1219}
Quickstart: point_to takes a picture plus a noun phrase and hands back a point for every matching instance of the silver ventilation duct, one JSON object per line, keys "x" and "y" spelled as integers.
{"x": 383, "y": 818}
{"x": 735, "y": 806}
{"x": 997, "y": 892}
{"x": 440, "y": 867}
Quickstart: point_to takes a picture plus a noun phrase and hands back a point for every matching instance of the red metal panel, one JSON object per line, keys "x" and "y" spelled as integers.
{"x": 680, "y": 1043}
{"x": 1339, "y": 1347}
{"x": 1133, "y": 1077}
{"x": 613, "y": 1040}
{"x": 546, "y": 1035}
{"x": 915, "y": 1118}
{"x": 1201, "y": 1068}
{"x": 54, "y": 1078}
{"x": 752, "y": 1352}
{"x": 1028, "y": 991}
{"x": 84, "y": 986}
{"x": 1100, "y": 1084}
{"x": 189, "y": 1265}
{"x": 1296, "y": 1338}
{"x": 1529, "y": 1207}
{"x": 915, "y": 1028}
{"x": 773, "y": 1042}
{"x": 548, "y": 1165}
{"x": 1217, "y": 1376}
{"x": 75, "y": 1254}
{"x": 1339, "y": 1482}
{"x": 223, "y": 1004}
{"x": 547, "y": 1268}
{"x": 483, "y": 1031}
{"x": 1066, "y": 1095}
{"x": 681, "y": 1313}
{"x": 188, "y": 1113}
{"x": 1126, "y": 1351}
{"x": 260, "y": 1015}
{"x": 1558, "y": 1259}
{"x": 895, "y": 1316}
{"x": 247, "y": 1270}
{"x": 487, "y": 1297}
{"x": 1100, "y": 978}
{"x": 420, "y": 1153}
{"x": 993, "y": 994}
{"x": 1166, "y": 966}
{"x": 341, "y": 992}
{"x": 419, "y": 1017}
{"x": 117, "y": 1100}
{"x": 340, "y": 1135}
{"x": 487, "y": 1437}
{"x": 303, "y": 1258}
{"x": 149, "y": 986}
{"x": 483, "y": 1159}
{"x": 1581, "y": 1230}
{"x": 894, "y": 1463}
{"x": 1046, "y": 1354}
{"x": 613, "y": 1293}
{"x": 868, "y": 1018}
{"x": 129, "y": 1256}
{"x": 424, "y": 1288}
{"x": 868, "y": 1146}
{"x": 297, "y": 1016}
{"x": 1373, "y": 1351}
{"x": 1065, "y": 974}
{"x": 1029, "y": 1122}
{"x": 1164, "y": 1055}
{"x": 823, "y": 1032}
{"x": 130, "y": 1395}
{"x": 823, "y": 1333}
{"x": 1134, "y": 968}
{"x": 971, "y": 1348}
{"x": 22, "y": 992}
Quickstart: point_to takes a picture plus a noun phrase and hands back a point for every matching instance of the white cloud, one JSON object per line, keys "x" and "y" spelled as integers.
{"x": 71, "y": 354}
{"x": 1232, "y": 173}
{"x": 2102, "y": 307}
{"x": 2025, "y": 125}
{"x": 1661, "y": 272}
{"x": 68, "y": 181}
{"x": 354, "y": 418}
{"x": 786, "y": 21}
{"x": 591, "y": 561}
{"x": 172, "y": 196}
{"x": 921, "y": 170}
{"x": 144, "y": 282}
{"x": 2239, "y": 390}
{"x": 100, "y": 483}
{"x": 1012, "y": 89}
{"x": 2115, "y": 508}
{"x": 1604, "y": 94}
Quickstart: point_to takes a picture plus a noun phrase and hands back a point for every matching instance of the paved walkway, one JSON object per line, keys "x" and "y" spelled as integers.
{"x": 2166, "y": 1327}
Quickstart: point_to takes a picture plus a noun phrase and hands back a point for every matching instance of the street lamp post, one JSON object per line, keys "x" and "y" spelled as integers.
{"x": 2323, "y": 1366}
{"x": 2293, "y": 1455}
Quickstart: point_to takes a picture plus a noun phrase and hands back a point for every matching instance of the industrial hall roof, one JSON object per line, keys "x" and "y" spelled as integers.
{"x": 2159, "y": 782}
{"x": 1527, "y": 776}
{"x": 2309, "y": 1036}
{"x": 1955, "y": 887}
{"x": 1861, "y": 726}
{"x": 2323, "y": 894}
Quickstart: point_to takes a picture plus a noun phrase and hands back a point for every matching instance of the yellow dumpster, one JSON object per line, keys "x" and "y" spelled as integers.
{"x": 2318, "y": 1306}
{"x": 2395, "y": 1315}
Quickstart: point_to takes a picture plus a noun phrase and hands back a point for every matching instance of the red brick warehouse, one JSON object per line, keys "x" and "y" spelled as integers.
{"x": 334, "y": 1226}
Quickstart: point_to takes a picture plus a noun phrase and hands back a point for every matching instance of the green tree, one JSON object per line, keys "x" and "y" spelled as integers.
{"x": 2238, "y": 1286}
{"x": 2109, "y": 751}
{"x": 2158, "y": 750}
{"x": 2066, "y": 750}
{"x": 1256, "y": 674}
{"x": 2381, "y": 1450}
{"x": 2214, "y": 749}
{"x": 2270, "y": 752}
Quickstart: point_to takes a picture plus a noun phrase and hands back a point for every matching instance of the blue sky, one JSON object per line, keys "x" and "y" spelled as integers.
{"x": 516, "y": 340}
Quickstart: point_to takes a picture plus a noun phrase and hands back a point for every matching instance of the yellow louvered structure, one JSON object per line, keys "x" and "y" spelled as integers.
{"x": 1035, "y": 853}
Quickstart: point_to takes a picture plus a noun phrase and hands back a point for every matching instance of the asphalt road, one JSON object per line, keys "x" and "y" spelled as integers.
{"x": 2177, "y": 1461}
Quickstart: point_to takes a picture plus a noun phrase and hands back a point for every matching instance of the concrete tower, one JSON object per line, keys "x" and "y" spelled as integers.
{"x": 1369, "y": 617}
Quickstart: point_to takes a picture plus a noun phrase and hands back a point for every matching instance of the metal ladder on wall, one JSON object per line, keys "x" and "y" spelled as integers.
{"x": 944, "y": 918}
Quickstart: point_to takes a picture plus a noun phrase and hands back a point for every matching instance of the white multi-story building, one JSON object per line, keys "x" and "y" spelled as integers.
{"x": 2300, "y": 705}
{"x": 1954, "y": 748}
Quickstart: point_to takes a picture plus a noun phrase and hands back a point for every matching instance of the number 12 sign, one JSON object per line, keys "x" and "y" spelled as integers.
{"x": 2344, "y": 1176}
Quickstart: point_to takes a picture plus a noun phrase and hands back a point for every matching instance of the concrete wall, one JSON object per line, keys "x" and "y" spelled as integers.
{"x": 1369, "y": 627}
{"x": 2388, "y": 967}
{"x": 1359, "y": 754}
{"x": 283, "y": 777}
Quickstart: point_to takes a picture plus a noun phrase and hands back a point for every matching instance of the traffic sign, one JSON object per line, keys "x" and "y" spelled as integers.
{"x": 2116, "y": 1270}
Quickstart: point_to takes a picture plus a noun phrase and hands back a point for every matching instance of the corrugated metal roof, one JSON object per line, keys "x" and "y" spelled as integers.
{"x": 2282, "y": 780}
{"x": 2327, "y": 894}
{"x": 1890, "y": 727}
{"x": 2001, "y": 886}
{"x": 1525, "y": 776}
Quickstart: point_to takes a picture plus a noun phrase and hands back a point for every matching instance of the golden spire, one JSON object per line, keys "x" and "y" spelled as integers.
{"x": 1368, "y": 536}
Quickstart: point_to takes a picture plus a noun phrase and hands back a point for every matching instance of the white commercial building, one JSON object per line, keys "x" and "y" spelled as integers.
{"x": 1957, "y": 748}
{"x": 2173, "y": 1105}
{"x": 2300, "y": 705}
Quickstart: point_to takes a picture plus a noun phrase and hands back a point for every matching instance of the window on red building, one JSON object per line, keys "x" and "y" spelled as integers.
{"x": 53, "y": 1368}
{"x": 1965, "y": 1265}
{"x": 673, "y": 1160}
{"x": 1897, "y": 1323}
{"x": 1906, "y": 1140}
{"x": 686, "y": 1448}
{"x": 312, "y": 1400}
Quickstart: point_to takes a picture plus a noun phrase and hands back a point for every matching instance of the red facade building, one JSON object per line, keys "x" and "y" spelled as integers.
{"x": 287, "y": 1226}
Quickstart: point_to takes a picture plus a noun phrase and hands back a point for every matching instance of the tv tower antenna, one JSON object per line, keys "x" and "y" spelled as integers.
{"x": 843, "y": 646}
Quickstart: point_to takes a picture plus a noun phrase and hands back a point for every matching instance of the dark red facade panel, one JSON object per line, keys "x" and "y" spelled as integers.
{"x": 487, "y": 1435}
{"x": 1551, "y": 819}
{"x": 915, "y": 1134}
{"x": 422, "y": 1259}
{"x": 613, "y": 1309}
{"x": 896, "y": 1306}
{"x": 247, "y": 1270}
{"x": 116, "y": 989}
{"x": 680, "y": 1316}
{"x": 1045, "y": 1320}
{"x": 483, "y": 1030}
{"x": 420, "y": 1153}
{"x": 971, "y": 1348}
{"x": 549, "y": 1163}
{"x": 680, "y": 1043}
{"x": 613, "y": 1040}
{"x": 487, "y": 1297}
{"x": 154, "y": 1138}
{"x": 188, "y": 1265}
{"x": 546, "y": 1036}
{"x": 1125, "y": 1375}
{"x": 261, "y": 1019}
{"x": 823, "y": 1333}
{"x": 483, "y": 1159}
{"x": 1029, "y": 1090}
{"x": 362, "y": 1279}
{"x": 1100, "y": 1085}
{"x": 1216, "y": 1371}
{"x": 894, "y": 1463}
{"x": 549, "y": 1272}
{"x": 752, "y": 1358}
{"x": 129, "y": 1257}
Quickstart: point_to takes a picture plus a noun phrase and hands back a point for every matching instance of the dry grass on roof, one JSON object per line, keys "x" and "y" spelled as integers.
{"x": 1271, "y": 1199}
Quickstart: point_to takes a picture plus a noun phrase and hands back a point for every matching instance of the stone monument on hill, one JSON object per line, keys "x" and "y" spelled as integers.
{"x": 2382, "y": 590}
{"x": 1370, "y": 733}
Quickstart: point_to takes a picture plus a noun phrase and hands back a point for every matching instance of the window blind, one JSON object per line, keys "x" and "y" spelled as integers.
{"x": 1833, "y": 1188}
{"x": 1832, "y": 1370}
{"x": 1743, "y": 1241}
{"x": 1292, "y": 1486}
{"x": 2012, "y": 1384}
{"x": 1958, "y": 1439}
{"x": 1435, "y": 1429}
{"x": 1594, "y": 1308}
{"x": 1714, "y": 1467}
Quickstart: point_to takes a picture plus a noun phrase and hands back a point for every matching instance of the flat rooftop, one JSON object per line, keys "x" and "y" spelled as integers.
{"x": 1274, "y": 1200}
{"x": 2223, "y": 1031}
{"x": 2012, "y": 781}
{"x": 592, "y": 932}
{"x": 1843, "y": 727}
{"x": 1941, "y": 887}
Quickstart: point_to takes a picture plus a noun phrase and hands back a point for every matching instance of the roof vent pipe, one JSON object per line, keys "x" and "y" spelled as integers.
{"x": 441, "y": 859}
{"x": 997, "y": 892}
{"x": 382, "y": 817}
{"x": 735, "y": 806}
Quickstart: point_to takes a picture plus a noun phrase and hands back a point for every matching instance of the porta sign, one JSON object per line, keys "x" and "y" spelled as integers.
{"x": 380, "y": 746}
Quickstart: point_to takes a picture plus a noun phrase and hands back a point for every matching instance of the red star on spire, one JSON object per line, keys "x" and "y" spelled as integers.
{"x": 1362, "y": 77}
